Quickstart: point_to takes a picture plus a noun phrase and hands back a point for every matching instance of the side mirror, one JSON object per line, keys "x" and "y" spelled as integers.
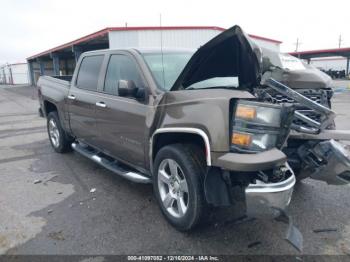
{"x": 126, "y": 88}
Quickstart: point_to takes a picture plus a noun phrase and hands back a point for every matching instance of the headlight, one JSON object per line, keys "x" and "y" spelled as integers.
{"x": 258, "y": 126}
{"x": 255, "y": 113}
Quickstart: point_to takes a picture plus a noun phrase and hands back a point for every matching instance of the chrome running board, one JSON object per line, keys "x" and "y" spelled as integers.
{"x": 110, "y": 164}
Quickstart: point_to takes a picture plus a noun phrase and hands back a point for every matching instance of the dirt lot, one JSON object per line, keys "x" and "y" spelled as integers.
{"x": 59, "y": 215}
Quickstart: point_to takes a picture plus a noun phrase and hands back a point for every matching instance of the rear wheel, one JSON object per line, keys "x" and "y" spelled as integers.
{"x": 178, "y": 187}
{"x": 59, "y": 140}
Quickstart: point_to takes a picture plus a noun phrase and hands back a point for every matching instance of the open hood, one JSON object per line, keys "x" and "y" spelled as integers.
{"x": 229, "y": 54}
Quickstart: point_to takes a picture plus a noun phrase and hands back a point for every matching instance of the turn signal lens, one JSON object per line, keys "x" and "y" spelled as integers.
{"x": 246, "y": 112}
{"x": 241, "y": 139}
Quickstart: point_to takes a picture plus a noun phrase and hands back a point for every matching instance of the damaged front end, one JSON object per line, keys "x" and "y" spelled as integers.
{"x": 318, "y": 156}
{"x": 327, "y": 161}
{"x": 275, "y": 137}
{"x": 266, "y": 198}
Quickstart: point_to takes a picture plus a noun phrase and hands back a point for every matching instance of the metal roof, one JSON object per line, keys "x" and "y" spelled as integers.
{"x": 322, "y": 53}
{"x": 104, "y": 32}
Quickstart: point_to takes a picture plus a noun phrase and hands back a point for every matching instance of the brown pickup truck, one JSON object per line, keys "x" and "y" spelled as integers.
{"x": 228, "y": 119}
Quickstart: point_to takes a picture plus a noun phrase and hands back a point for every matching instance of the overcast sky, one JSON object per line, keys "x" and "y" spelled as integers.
{"x": 32, "y": 26}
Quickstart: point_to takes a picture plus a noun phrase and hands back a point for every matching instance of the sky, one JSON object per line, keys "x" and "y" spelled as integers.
{"x": 31, "y": 26}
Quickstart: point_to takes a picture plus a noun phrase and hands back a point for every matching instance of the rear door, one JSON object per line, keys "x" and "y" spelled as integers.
{"x": 121, "y": 120}
{"x": 82, "y": 99}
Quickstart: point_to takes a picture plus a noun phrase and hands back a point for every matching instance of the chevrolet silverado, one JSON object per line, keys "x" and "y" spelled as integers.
{"x": 199, "y": 124}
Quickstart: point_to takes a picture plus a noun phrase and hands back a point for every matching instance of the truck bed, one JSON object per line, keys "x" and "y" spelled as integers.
{"x": 55, "y": 81}
{"x": 55, "y": 89}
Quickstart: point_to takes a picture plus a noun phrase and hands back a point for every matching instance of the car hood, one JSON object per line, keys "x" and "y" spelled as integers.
{"x": 229, "y": 54}
{"x": 311, "y": 78}
{"x": 292, "y": 72}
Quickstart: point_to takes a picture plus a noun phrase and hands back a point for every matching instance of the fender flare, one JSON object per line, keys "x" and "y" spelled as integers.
{"x": 189, "y": 130}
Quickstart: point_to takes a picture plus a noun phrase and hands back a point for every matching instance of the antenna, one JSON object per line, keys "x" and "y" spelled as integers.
{"x": 340, "y": 40}
{"x": 161, "y": 47}
{"x": 297, "y": 44}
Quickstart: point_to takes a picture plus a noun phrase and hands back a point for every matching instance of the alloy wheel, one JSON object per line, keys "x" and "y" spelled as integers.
{"x": 173, "y": 188}
{"x": 54, "y": 133}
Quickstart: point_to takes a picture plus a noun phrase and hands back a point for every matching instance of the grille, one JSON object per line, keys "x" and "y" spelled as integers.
{"x": 279, "y": 99}
{"x": 318, "y": 96}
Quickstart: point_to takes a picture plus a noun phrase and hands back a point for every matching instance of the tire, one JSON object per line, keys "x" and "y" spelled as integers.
{"x": 59, "y": 139}
{"x": 180, "y": 197}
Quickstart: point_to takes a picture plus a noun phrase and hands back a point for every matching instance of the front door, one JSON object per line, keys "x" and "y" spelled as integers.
{"x": 121, "y": 120}
{"x": 82, "y": 100}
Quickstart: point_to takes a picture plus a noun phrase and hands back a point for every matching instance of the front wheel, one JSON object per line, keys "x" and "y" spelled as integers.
{"x": 178, "y": 187}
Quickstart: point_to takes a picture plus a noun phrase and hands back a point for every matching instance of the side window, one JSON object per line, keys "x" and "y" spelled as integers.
{"x": 89, "y": 71}
{"x": 121, "y": 67}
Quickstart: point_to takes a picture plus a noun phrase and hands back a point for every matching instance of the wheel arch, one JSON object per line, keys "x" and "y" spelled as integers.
{"x": 171, "y": 135}
{"x": 49, "y": 107}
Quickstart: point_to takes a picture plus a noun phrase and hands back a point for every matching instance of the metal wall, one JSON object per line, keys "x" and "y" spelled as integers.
{"x": 193, "y": 38}
{"x": 267, "y": 44}
{"x": 152, "y": 38}
{"x": 14, "y": 74}
{"x": 335, "y": 63}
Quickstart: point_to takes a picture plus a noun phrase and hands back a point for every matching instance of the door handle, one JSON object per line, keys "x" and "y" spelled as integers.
{"x": 71, "y": 97}
{"x": 101, "y": 104}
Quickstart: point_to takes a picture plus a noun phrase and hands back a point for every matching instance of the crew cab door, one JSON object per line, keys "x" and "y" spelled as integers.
{"x": 82, "y": 99}
{"x": 120, "y": 120}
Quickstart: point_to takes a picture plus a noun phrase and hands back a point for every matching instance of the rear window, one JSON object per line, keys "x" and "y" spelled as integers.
{"x": 89, "y": 71}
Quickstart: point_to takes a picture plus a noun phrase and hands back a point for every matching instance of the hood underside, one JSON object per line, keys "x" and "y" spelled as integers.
{"x": 229, "y": 54}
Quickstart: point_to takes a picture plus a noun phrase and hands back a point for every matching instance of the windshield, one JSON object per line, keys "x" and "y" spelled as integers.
{"x": 281, "y": 60}
{"x": 222, "y": 82}
{"x": 291, "y": 62}
{"x": 166, "y": 68}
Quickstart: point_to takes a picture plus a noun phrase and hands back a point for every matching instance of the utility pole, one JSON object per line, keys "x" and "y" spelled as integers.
{"x": 297, "y": 44}
{"x": 340, "y": 40}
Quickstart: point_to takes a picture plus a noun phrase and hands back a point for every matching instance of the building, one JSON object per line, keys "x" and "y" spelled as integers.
{"x": 14, "y": 74}
{"x": 61, "y": 59}
{"x": 337, "y": 59}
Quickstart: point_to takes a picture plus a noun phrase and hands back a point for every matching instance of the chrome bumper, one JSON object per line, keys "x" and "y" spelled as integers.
{"x": 266, "y": 200}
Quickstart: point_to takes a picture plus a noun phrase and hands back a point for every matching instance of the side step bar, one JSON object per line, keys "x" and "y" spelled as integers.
{"x": 111, "y": 165}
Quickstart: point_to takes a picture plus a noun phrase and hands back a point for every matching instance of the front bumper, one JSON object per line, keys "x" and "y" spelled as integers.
{"x": 250, "y": 162}
{"x": 262, "y": 199}
{"x": 265, "y": 200}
